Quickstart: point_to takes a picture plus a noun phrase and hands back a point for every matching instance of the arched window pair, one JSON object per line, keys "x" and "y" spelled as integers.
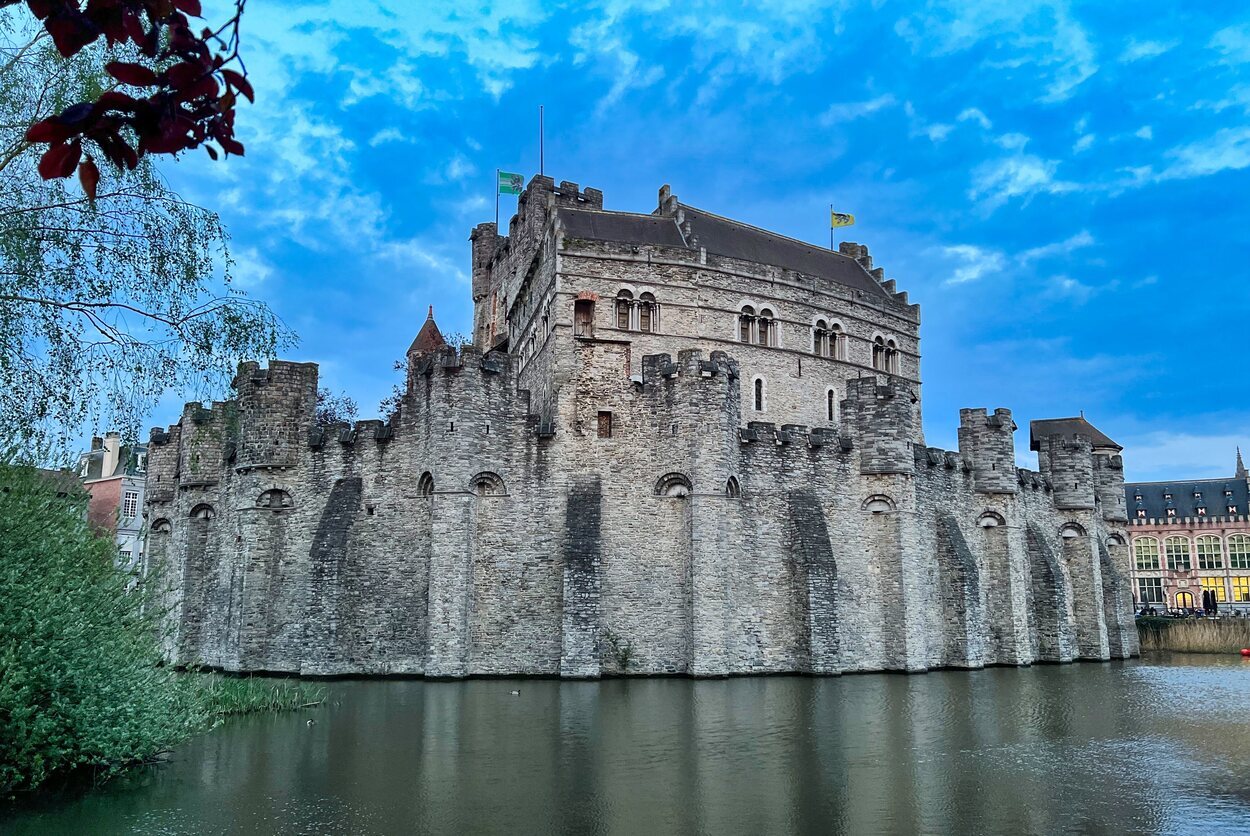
{"x": 885, "y": 355}
{"x": 641, "y": 314}
{"x": 760, "y": 328}
{"x": 828, "y": 340}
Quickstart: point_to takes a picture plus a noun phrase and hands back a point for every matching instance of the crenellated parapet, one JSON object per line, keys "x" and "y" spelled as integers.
{"x": 206, "y": 442}
{"x": 1068, "y": 461}
{"x": 162, "y": 471}
{"x": 1109, "y": 487}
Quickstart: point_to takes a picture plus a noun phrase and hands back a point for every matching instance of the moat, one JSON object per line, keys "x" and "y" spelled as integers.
{"x": 1158, "y": 745}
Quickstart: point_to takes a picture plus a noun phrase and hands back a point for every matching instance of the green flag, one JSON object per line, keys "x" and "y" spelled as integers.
{"x": 511, "y": 183}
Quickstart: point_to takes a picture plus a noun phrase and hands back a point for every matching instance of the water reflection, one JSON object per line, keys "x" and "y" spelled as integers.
{"x": 1154, "y": 746}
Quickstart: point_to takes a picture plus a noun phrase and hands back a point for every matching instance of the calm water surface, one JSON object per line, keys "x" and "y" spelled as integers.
{"x": 1156, "y": 746}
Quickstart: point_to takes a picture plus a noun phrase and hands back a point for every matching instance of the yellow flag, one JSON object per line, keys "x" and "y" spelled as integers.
{"x": 837, "y": 219}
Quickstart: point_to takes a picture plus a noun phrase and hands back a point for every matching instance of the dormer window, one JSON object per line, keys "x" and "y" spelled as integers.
{"x": 1232, "y": 509}
{"x": 1171, "y": 512}
{"x": 1197, "y": 494}
{"x": 1227, "y": 492}
{"x": 1201, "y": 510}
{"x": 1167, "y": 497}
{"x": 1141, "y": 513}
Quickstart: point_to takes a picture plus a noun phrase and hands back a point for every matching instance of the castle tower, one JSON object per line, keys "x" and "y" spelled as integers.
{"x": 884, "y": 422}
{"x": 987, "y": 441}
{"x": 276, "y": 407}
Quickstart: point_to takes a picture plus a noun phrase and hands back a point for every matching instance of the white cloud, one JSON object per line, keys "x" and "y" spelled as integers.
{"x": 1233, "y": 43}
{"x": 997, "y": 181}
{"x": 1037, "y": 34}
{"x": 974, "y": 114}
{"x": 938, "y": 131}
{"x": 1012, "y": 141}
{"x": 1078, "y": 241}
{"x": 251, "y": 270}
{"x": 1238, "y": 96}
{"x": 1084, "y": 143}
{"x": 386, "y": 135}
{"x": 1227, "y": 150}
{"x": 850, "y": 111}
{"x": 974, "y": 263}
{"x": 1168, "y": 454}
{"x": 1066, "y": 287}
{"x": 1136, "y": 50}
{"x": 1144, "y": 132}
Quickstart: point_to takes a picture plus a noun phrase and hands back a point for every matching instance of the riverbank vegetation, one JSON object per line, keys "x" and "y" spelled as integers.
{"x": 1194, "y": 635}
{"x": 82, "y": 689}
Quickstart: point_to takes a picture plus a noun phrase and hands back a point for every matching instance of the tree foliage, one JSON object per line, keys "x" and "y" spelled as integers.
{"x": 334, "y": 409}
{"x": 184, "y": 91}
{"x": 104, "y": 303}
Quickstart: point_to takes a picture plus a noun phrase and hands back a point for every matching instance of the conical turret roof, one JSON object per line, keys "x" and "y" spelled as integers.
{"x": 429, "y": 338}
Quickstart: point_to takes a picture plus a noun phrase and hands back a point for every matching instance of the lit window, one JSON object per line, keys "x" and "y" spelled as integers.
{"x": 1215, "y": 585}
{"x": 1177, "y": 551}
{"x": 1239, "y": 551}
{"x": 1150, "y": 590}
{"x": 1210, "y": 555}
{"x": 130, "y": 505}
{"x": 1241, "y": 590}
{"x": 1146, "y": 550}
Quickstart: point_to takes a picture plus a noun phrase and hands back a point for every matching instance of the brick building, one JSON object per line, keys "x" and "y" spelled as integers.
{"x": 1188, "y": 536}
{"x": 114, "y": 476}
{"x": 678, "y": 444}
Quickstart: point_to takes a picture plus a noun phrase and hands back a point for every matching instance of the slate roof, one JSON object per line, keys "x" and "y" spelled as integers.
{"x": 1068, "y": 428}
{"x": 94, "y": 461}
{"x": 1183, "y": 500}
{"x": 723, "y": 237}
{"x": 429, "y": 338}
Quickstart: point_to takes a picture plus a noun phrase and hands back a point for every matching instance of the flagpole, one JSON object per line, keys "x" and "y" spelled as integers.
{"x": 540, "y": 140}
{"x": 831, "y": 227}
{"x": 496, "y": 201}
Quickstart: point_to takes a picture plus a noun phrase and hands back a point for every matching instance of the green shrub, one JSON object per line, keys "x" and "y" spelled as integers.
{"x": 81, "y": 684}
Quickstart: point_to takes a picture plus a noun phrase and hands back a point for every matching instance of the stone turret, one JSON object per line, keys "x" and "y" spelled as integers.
{"x": 275, "y": 412}
{"x": 883, "y": 418}
{"x": 1066, "y": 449}
{"x": 987, "y": 441}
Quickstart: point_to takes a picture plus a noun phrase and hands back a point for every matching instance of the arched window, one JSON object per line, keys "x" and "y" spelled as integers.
{"x": 820, "y": 338}
{"x": 1071, "y": 531}
{"x": 1114, "y": 540}
{"x": 624, "y": 309}
{"x": 1210, "y": 554}
{"x": 1177, "y": 551}
{"x": 203, "y": 511}
{"x": 488, "y": 484}
{"x": 837, "y": 342}
{"x": 991, "y": 519}
{"x": 648, "y": 314}
{"x": 759, "y": 394}
{"x": 1146, "y": 551}
{"x": 274, "y": 499}
{"x": 831, "y": 406}
{"x": 878, "y": 504}
{"x": 746, "y": 323}
{"x": 673, "y": 484}
{"x": 732, "y": 488}
{"x": 891, "y": 356}
{"x": 425, "y": 485}
{"x": 878, "y": 354}
{"x": 766, "y": 328}
{"x": 1239, "y": 551}
{"x": 162, "y": 526}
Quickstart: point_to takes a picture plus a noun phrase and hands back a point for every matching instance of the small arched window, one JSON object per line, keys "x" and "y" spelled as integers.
{"x": 831, "y": 406}
{"x": 759, "y": 394}
{"x": 673, "y": 484}
{"x": 878, "y": 354}
{"x": 1071, "y": 531}
{"x": 624, "y": 309}
{"x": 878, "y": 504}
{"x": 162, "y": 526}
{"x": 837, "y": 342}
{"x": 766, "y": 328}
{"x": 891, "y": 356}
{"x": 488, "y": 484}
{"x": 274, "y": 500}
{"x": 425, "y": 485}
{"x": 820, "y": 338}
{"x": 203, "y": 511}
{"x": 746, "y": 323}
{"x": 732, "y": 488}
{"x": 648, "y": 314}
{"x": 991, "y": 519}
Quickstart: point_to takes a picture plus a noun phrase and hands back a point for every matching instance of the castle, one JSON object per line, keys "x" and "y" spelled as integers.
{"x": 678, "y": 444}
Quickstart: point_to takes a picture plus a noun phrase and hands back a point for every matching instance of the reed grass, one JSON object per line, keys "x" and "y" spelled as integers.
{"x": 223, "y": 696}
{"x": 1194, "y": 635}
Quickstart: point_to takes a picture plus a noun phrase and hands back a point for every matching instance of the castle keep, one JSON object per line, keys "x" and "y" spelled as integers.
{"x": 678, "y": 444}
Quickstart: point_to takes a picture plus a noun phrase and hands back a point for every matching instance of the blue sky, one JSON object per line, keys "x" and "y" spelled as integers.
{"x": 1062, "y": 187}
